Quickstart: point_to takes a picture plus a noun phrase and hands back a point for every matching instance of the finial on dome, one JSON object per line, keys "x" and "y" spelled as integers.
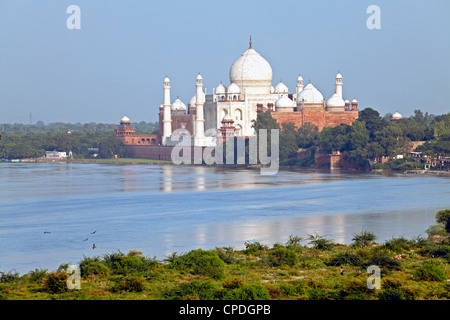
{"x": 309, "y": 80}
{"x": 250, "y": 42}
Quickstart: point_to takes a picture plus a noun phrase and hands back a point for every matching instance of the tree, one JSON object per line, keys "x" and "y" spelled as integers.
{"x": 111, "y": 146}
{"x": 443, "y": 216}
{"x": 372, "y": 120}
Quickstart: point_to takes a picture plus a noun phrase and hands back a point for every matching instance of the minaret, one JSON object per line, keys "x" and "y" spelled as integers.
{"x": 167, "y": 121}
{"x": 339, "y": 85}
{"x": 199, "y": 121}
{"x": 299, "y": 85}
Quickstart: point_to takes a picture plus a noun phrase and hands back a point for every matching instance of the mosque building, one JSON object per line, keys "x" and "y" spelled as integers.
{"x": 234, "y": 108}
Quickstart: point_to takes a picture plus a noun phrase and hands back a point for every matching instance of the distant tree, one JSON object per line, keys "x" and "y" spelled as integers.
{"x": 111, "y": 146}
{"x": 372, "y": 120}
{"x": 443, "y": 216}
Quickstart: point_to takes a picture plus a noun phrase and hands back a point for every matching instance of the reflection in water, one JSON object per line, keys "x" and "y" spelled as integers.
{"x": 160, "y": 209}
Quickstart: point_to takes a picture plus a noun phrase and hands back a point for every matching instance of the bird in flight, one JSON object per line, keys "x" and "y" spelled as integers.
{"x": 47, "y": 232}
{"x": 93, "y": 246}
{"x": 94, "y": 232}
{"x": 86, "y": 239}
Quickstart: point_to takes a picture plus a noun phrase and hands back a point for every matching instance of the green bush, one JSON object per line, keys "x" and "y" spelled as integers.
{"x": 437, "y": 250}
{"x": 429, "y": 271}
{"x": 203, "y": 290}
{"x": 254, "y": 247}
{"x": 206, "y": 263}
{"x": 391, "y": 293}
{"x": 132, "y": 263}
{"x": 436, "y": 229}
{"x": 322, "y": 294}
{"x": 320, "y": 242}
{"x": 9, "y": 276}
{"x": 345, "y": 258}
{"x": 381, "y": 259}
{"x": 283, "y": 256}
{"x": 56, "y": 282}
{"x": 37, "y": 275}
{"x": 364, "y": 238}
{"x": 398, "y": 244}
{"x": 90, "y": 266}
{"x": 130, "y": 284}
{"x": 248, "y": 292}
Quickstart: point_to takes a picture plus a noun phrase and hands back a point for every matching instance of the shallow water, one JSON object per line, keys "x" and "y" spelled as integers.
{"x": 159, "y": 209}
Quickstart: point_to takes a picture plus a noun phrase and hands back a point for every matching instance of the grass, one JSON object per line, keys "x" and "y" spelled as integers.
{"x": 410, "y": 270}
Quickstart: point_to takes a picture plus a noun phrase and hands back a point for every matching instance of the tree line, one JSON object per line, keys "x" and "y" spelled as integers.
{"x": 19, "y": 141}
{"x": 369, "y": 137}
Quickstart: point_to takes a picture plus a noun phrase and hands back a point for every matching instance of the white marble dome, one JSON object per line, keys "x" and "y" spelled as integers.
{"x": 284, "y": 104}
{"x": 233, "y": 89}
{"x": 396, "y": 116}
{"x": 335, "y": 101}
{"x": 281, "y": 88}
{"x": 125, "y": 120}
{"x": 310, "y": 95}
{"x": 220, "y": 89}
{"x": 178, "y": 105}
{"x": 193, "y": 100}
{"x": 250, "y": 67}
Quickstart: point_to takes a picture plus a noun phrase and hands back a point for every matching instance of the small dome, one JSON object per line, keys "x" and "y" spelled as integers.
{"x": 125, "y": 120}
{"x": 178, "y": 105}
{"x": 220, "y": 89}
{"x": 284, "y": 104}
{"x": 281, "y": 88}
{"x": 161, "y": 107}
{"x": 310, "y": 95}
{"x": 193, "y": 100}
{"x": 166, "y": 79}
{"x": 272, "y": 89}
{"x": 396, "y": 116}
{"x": 354, "y": 101}
{"x": 338, "y": 76}
{"x": 347, "y": 102}
{"x": 199, "y": 77}
{"x": 335, "y": 101}
{"x": 299, "y": 78}
{"x": 233, "y": 88}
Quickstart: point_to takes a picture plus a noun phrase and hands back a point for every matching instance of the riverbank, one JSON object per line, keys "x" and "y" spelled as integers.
{"x": 415, "y": 269}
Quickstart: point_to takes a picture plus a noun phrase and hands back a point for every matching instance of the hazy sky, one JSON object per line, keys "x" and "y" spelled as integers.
{"x": 115, "y": 64}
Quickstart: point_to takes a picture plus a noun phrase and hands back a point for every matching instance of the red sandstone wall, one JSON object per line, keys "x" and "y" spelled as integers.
{"x": 320, "y": 118}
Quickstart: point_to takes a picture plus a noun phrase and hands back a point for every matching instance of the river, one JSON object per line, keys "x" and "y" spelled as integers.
{"x": 53, "y": 213}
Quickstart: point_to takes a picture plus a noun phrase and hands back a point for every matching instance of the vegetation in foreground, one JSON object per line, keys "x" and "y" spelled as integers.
{"x": 411, "y": 269}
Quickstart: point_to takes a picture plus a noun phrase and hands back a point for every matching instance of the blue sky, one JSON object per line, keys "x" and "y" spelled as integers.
{"x": 115, "y": 64}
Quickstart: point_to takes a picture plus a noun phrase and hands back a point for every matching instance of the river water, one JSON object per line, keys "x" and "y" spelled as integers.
{"x": 53, "y": 213}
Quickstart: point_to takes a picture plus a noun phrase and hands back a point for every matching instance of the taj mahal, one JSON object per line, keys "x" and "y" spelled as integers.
{"x": 232, "y": 110}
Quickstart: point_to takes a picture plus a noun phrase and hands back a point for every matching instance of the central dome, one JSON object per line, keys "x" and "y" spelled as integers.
{"x": 251, "y": 71}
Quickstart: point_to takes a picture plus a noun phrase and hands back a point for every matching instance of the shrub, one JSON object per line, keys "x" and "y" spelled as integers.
{"x": 283, "y": 256}
{"x": 132, "y": 263}
{"x": 443, "y": 216}
{"x": 225, "y": 254}
{"x": 254, "y": 247}
{"x": 398, "y": 244}
{"x": 320, "y": 242}
{"x": 345, "y": 258}
{"x": 10, "y": 276}
{"x": 322, "y": 294}
{"x": 203, "y": 290}
{"x": 56, "y": 282}
{"x": 436, "y": 229}
{"x": 37, "y": 275}
{"x": 391, "y": 293}
{"x": 437, "y": 250}
{"x": 248, "y": 292}
{"x": 293, "y": 241}
{"x": 130, "y": 284}
{"x": 201, "y": 262}
{"x": 232, "y": 283}
{"x": 90, "y": 266}
{"x": 381, "y": 259}
{"x": 364, "y": 238}
{"x": 429, "y": 271}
